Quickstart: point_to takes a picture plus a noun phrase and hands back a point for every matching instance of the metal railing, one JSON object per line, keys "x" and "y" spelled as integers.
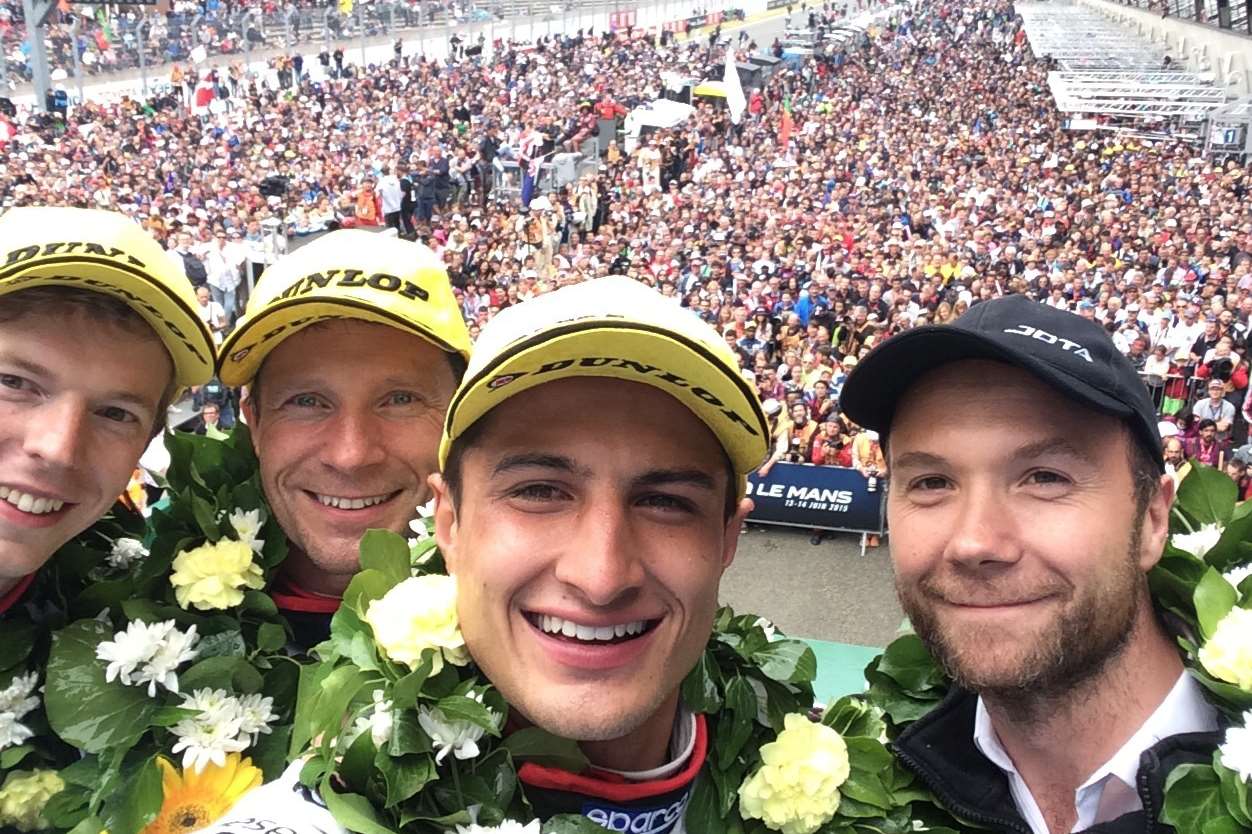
{"x": 121, "y": 39}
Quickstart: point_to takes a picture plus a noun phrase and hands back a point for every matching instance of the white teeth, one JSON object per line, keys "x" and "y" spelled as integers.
{"x": 28, "y": 503}
{"x": 586, "y": 633}
{"x": 350, "y": 503}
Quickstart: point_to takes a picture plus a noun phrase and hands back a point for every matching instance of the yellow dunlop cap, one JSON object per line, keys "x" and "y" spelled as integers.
{"x": 109, "y": 253}
{"x": 348, "y": 274}
{"x": 613, "y": 327}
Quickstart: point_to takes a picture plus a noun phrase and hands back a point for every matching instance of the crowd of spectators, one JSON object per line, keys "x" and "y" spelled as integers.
{"x": 109, "y": 36}
{"x": 923, "y": 174}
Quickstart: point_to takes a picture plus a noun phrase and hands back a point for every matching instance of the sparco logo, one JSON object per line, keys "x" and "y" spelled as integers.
{"x": 637, "y": 820}
{"x": 1047, "y": 338}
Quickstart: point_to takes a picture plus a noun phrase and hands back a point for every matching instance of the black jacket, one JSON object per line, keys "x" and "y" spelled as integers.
{"x": 940, "y": 749}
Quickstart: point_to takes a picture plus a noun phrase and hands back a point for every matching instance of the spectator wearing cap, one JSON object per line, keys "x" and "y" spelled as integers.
{"x": 1216, "y": 408}
{"x": 1021, "y": 559}
{"x": 347, "y": 383}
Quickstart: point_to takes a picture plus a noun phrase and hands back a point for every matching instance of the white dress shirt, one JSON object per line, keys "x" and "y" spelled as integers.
{"x": 1110, "y": 791}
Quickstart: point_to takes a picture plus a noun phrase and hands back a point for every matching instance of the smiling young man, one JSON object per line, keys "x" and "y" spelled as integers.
{"x": 98, "y": 332}
{"x": 351, "y": 348}
{"x": 591, "y": 499}
{"x": 1028, "y": 502}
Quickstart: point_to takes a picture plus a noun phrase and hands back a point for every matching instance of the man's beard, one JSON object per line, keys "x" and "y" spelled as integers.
{"x": 1092, "y": 628}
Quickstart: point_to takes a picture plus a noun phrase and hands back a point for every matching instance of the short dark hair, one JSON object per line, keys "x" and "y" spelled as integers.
{"x": 472, "y": 436}
{"x": 99, "y": 307}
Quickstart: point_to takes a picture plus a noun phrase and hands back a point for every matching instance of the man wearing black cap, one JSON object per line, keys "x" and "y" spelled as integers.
{"x": 1027, "y": 504}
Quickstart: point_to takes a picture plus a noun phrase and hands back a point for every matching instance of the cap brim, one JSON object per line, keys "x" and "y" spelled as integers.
{"x": 186, "y": 338}
{"x": 874, "y": 388}
{"x": 247, "y": 347}
{"x": 632, "y": 352}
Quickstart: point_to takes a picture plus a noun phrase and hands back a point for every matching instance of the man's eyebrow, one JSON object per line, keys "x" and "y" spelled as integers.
{"x": 533, "y": 460}
{"x": 1038, "y": 449}
{"x": 36, "y": 370}
{"x": 681, "y": 477}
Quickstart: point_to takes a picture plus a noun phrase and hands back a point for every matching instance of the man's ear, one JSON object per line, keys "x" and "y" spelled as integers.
{"x": 734, "y": 526}
{"x": 446, "y": 528}
{"x": 248, "y": 407}
{"x": 1155, "y": 524}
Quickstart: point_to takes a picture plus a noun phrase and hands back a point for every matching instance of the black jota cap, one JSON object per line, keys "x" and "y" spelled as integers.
{"x": 1065, "y": 351}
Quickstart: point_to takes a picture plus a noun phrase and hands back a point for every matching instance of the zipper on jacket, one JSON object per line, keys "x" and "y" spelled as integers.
{"x": 952, "y": 805}
{"x": 1145, "y": 791}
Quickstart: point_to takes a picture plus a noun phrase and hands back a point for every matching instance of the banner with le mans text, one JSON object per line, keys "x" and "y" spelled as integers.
{"x": 817, "y": 497}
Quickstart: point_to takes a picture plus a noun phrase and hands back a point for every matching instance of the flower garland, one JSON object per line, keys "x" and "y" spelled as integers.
{"x": 165, "y": 647}
{"x": 403, "y": 734}
{"x": 1204, "y": 580}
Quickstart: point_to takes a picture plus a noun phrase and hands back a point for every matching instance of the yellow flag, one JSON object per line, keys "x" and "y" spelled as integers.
{"x": 345, "y": 7}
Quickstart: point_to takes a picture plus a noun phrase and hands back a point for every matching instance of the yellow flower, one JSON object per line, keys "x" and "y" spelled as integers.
{"x": 419, "y": 614}
{"x": 796, "y": 790}
{"x": 24, "y": 795}
{"x": 213, "y": 576}
{"x": 191, "y": 800}
{"x": 1228, "y": 653}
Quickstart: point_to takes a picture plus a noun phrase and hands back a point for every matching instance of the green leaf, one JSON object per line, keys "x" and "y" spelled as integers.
{"x": 407, "y": 735}
{"x": 700, "y": 689}
{"x": 352, "y": 810}
{"x": 365, "y": 587}
{"x": 571, "y": 824}
{"x": 788, "y": 661}
{"x": 82, "y": 708}
{"x": 138, "y": 803}
{"x": 1235, "y": 792}
{"x": 908, "y": 663}
{"x": 13, "y": 756}
{"x": 387, "y": 553}
{"x": 405, "y": 775}
{"x": 16, "y": 640}
{"x": 1207, "y": 496}
{"x": 223, "y": 644}
{"x": 271, "y": 637}
{"x": 540, "y": 746}
{"x": 736, "y": 723}
{"x": 460, "y": 708}
{"x": 406, "y": 690}
{"x": 206, "y": 518}
{"x": 1214, "y": 598}
{"x": 1193, "y": 798}
{"x": 703, "y": 814}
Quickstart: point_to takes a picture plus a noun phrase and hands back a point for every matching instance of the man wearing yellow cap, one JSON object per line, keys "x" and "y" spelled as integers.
{"x": 98, "y": 333}
{"x": 592, "y": 496}
{"x": 351, "y": 348}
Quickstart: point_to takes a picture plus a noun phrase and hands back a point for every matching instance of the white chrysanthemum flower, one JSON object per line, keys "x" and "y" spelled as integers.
{"x": 256, "y": 713}
{"x": 380, "y": 721}
{"x": 147, "y": 654}
{"x": 203, "y": 742}
{"x": 127, "y": 552}
{"x": 1236, "y": 575}
{"x": 16, "y": 700}
{"x": 460, "y": 738}
{"x": 175, "y": 649}
{"x": 418, "y": 525}
{"x": 506, "y": 827}
{"x": 247, "y": 525}
{"x": 1237, "y": 749}
{"x": 1200, "y": 542}
{"x": 12, "y": 731}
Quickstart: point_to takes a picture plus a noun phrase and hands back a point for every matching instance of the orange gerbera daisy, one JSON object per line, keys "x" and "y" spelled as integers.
{"x": 193, "y": 800}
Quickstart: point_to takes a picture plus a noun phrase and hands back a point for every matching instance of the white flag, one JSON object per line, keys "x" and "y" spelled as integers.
{"x": 734, "y": 88}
